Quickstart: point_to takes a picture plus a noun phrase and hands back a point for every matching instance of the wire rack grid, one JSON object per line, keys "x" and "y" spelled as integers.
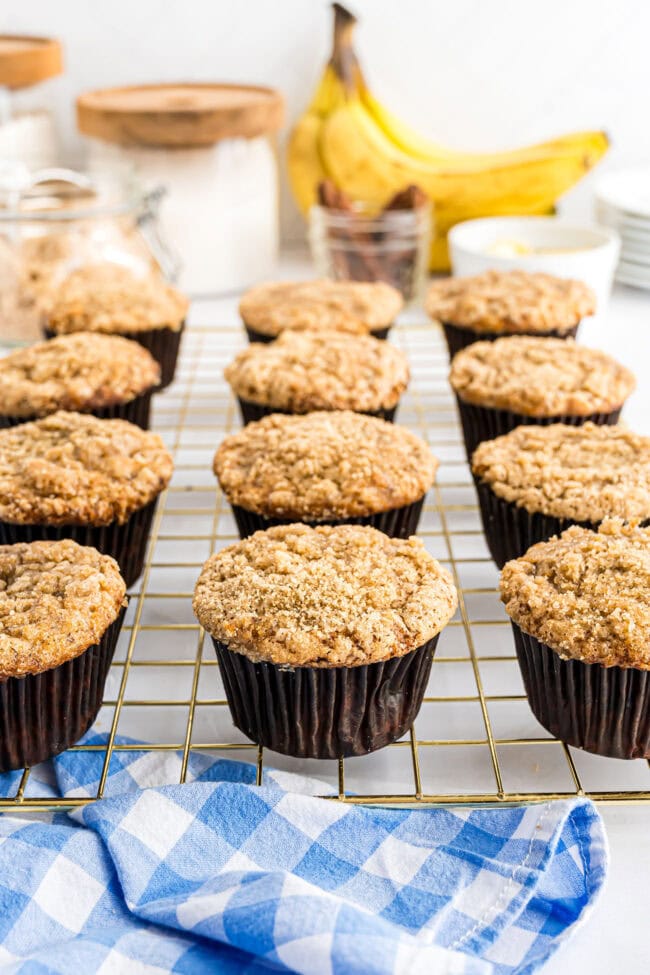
{"x": 475, "y": 739}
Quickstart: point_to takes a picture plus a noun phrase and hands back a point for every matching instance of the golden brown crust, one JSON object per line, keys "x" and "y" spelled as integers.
{"x": 586, "y": 594}
{"x": 323, "y": 466}
{"x": 347, "y": 306}
{"x": 510, "y": 302}
{"x": 75, "y": 469}
{"x": 83, "y": 372}
{"x": 304, "y": 371}
{"x": 583, "y": 473}
{"x": 540, "y": 377}
{"x": 56, "y": 600}
{"x": 111, "y": 298}
{"x": 324, "y": 597}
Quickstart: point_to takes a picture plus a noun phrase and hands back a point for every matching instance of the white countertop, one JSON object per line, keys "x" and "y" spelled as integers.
{"x": 615, "y": 938}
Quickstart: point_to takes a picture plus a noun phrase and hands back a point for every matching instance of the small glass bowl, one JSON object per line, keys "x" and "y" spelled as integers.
{"x": 392, "y": 246}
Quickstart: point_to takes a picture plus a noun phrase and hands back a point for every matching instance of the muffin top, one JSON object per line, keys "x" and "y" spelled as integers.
{"x": 540, "y": 377}
{"x": 56, "y": 600}
{"x": 510, "y": 301}
{"x": 586, "y": 594}
{"x": 584, "y": 473}
{"x": 324, "y": 597}
{"x": 111, "y": 298}
{"x": 75, "y": 469}
{"x": 346, "y": 306}
{"x": 84, "y": 371}
{"x": 323, "y": 466}
{"x": 303, "y": 371}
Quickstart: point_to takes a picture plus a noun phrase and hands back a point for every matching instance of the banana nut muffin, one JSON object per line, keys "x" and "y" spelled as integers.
{"x": 113, "y": 299}
{"x": 74, "y": 475}
{"x": 323, "y": 466}
{"x": 87, "y": 372}
{"x": 580, "y": 611}
{"x": 345, "y": 306}
{"x": 61, "y": 608}
{"x": 305, "y": 371}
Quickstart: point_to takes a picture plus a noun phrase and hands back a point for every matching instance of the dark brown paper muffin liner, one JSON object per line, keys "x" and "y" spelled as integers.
{"x": 163, "y": 343}
{"x": 485, "y": 423}
{"x": 397, "y": 523}
{"x": 255, "y": 336}
{"x": 43, "y": 714}
{"x": 459, "y": 338}
{"x": 127, "y": 543}
{"x": 605, "y": 710}
{"x": 325, "y": 712}
{"x": 135, "y": 411}
{"x": 250, "y": 412}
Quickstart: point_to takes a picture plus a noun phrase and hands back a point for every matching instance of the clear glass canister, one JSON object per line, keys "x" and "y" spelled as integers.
{"x": 29, "y": 67}
{"x": 57, "y": 220}
{"x": 212, "y": 147}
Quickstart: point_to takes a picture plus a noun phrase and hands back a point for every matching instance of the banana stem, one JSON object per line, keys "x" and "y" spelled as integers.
{"x": 343, "y": 59}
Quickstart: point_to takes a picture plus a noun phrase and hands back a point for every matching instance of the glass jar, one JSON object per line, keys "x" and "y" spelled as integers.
{"x": 57, "y": 220}
{"x": 28, "y": 66}
{"x": 213, "y": 149}
{"x": 355, "y": 245}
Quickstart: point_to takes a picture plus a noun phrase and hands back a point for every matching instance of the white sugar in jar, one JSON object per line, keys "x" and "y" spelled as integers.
{"x": 27, "y": 131}
{"x": 212, "y": 147}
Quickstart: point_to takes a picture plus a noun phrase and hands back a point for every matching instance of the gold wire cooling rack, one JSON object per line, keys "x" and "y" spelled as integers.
{"x": 475, "y": 739}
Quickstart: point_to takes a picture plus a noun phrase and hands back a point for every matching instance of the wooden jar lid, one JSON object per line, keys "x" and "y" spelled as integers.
{"x": 179, "y": 114}
{"x": 25, "y": 61}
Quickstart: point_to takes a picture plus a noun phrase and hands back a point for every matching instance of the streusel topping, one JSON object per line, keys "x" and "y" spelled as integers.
{"x": 540, "y": 377}
{"x": 323, "y": 466}
{"x": 84, "y": 371}
{"x": 324, "y": 597}
{"x": 56, "y": 600}
{"x": 347, "y": 306}
{"x": 303, "y": 371}
{"x": 510, "y": 302}
{"x": 586, "y": 594}
{"x": 111, "y": 298}
{"x": 75, "y": 469}
{"x": 584, "y": 473}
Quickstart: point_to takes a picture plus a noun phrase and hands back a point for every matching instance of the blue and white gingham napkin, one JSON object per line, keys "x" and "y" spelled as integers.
{"x": 219, "y": 875}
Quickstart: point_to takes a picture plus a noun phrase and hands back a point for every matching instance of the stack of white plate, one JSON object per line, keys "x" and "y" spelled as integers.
{"x": 623, "y": 203}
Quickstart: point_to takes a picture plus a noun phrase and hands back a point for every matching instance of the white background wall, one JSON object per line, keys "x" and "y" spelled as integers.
{"x": 473, "y": 73}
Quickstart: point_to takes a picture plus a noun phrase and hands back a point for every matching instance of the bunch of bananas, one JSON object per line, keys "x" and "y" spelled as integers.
{"x": 348, "y": 137}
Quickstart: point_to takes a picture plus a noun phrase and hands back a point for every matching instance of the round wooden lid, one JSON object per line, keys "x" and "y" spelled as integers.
{"x": 24, "y": 60}
{"x": 179, "y": 114}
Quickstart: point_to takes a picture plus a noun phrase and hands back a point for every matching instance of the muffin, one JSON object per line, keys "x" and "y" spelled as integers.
{"x": 497, "y": 303}
{"x": 512, "y": 381}
{"x": 72, "y": 475}
{"x": 61, "y": 609}
{"x": 580, "y": 610}
{"x": 324, "y": 636}
{"x": 333, "y": 467}
{"x": 305, "y": 371}
{"x": 536, "y": 481}
{"x": 361, "y": 308}
{"x": 112, "y": 299}
{"x": 105, "y": 375}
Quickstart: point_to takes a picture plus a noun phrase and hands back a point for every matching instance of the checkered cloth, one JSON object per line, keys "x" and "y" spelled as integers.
{"x": 219, "y": 875}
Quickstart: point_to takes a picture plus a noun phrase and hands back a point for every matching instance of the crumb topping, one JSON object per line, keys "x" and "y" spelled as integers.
{"x": 84, "y": 371}
{"x": 303, "y": 371}
{"x": 75, "y": 469}
{"x": 584, "y": 473}
{"x": 111, "y": 298}
{"x": 510, "y": 301}
{"x": 586, "y": 594}
{"x": 56, "y": 600}
{"x": 324, "y": 597}
{"x": 323, "y": 466}
{"x": 540, "y": 377}
{"x": 347, "y": 306}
